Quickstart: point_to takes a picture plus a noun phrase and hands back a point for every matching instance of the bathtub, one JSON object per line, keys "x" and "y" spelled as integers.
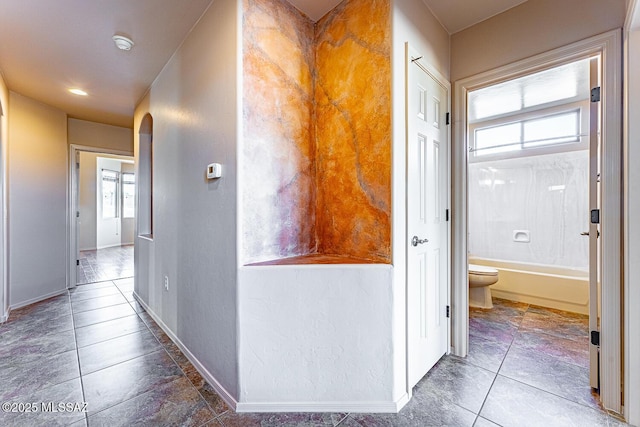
{"x": 548, "y": 286}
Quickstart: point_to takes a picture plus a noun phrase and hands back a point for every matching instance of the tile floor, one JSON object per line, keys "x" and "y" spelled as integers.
{"x": 527, "y": 367}
{"x": 105, "y": 264}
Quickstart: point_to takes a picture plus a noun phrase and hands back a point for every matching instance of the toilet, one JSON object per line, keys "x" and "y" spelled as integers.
{"x": 480, "y": 278}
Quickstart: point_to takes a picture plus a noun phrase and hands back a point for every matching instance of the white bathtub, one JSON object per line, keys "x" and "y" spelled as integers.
{"x": 548, "y": 286}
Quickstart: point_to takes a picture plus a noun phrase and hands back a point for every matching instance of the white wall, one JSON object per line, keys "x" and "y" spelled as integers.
{"x": 530, "y": 28}
{"x": 316, "y": 337}
{"x": 4, "y": 144}
{"x": 194, "y": 105}
{"x": 38, "y": 191}
{"x": 413, "y": 23}
{"x": 91, "y": 134}
{"x": 107, "y": 230}
{"x": 87, "y": 201}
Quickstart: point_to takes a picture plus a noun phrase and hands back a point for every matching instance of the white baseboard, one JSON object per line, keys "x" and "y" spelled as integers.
{"x": 5, "y": 316}
{"x": 38, "y": 299}
{"x": 224, "y": 394}
{"x": 348, "y": 407}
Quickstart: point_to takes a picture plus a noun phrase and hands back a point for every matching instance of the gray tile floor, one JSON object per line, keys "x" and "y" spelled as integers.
{"x": 527, "y": 367}
{"x": 105, "y": 264}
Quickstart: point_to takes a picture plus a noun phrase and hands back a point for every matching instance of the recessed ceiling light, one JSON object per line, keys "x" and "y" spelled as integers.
{"x": 79, "y": 92}
{"x": 122, "y": 42}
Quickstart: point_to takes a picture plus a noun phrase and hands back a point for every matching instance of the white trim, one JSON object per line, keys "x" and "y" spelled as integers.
{"x": 349, "y": 407}
{"x": 631, "y": 247}
{"x": 224, "y": 394}
{"x": 72, "y": 229}
{"x": 608, "y": 45}
{"x": 38, "y": 299}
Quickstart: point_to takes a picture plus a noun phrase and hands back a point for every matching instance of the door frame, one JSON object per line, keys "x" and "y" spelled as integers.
{"x": 72, "y": 206}
{"x": 608, "y": 45}
{"x": 414, "y": 58}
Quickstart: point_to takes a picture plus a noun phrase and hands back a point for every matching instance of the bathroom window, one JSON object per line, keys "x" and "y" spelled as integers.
{"x": 545, "y": 131}
{"x": 541, "y": 113}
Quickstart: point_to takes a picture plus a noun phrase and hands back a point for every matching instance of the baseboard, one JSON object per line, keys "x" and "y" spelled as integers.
{"x": 224, "y": 394}
{"x": 38, "y": 299}
{"x": 5, "y": 317}
{"x": 348, "y": 407}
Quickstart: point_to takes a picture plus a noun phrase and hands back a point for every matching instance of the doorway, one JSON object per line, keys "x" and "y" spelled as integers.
{"x": 103, "y": 216}
{"x": 604, "y": 47}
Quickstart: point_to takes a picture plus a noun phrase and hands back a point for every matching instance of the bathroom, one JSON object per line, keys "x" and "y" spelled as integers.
{"x": 528, "y": 186}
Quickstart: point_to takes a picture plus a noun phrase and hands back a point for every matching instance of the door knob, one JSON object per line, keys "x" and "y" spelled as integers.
{"x": 415, "y": 241}
{"x": 584, "y": 233}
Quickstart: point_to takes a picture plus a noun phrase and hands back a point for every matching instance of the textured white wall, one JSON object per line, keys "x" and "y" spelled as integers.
{"x": 38, "y": 189}
{"x": 82, "y": 132}
{"x": 316, "y": 334}
{"x": 194, "y": 107}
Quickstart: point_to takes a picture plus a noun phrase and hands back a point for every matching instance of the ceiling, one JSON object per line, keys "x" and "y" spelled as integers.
{"x": 51, "y": 46}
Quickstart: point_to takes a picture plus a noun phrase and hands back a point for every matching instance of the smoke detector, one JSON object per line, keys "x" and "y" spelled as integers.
{"x": 122, "y": 42}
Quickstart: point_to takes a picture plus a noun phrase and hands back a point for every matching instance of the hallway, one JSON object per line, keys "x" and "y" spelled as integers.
{"x": 102, "y": 348}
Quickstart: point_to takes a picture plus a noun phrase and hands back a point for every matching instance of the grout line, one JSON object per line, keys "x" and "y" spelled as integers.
{"x": 75, "y": 342}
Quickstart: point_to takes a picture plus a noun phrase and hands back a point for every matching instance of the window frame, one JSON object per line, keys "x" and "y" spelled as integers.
{"x": 582, "y": 142}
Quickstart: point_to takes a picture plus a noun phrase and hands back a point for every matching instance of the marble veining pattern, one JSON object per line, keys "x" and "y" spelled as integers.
{"x": 317, "y": 132}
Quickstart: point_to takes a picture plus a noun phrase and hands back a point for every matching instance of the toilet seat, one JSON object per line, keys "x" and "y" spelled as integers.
{"x": 482, "y": 270}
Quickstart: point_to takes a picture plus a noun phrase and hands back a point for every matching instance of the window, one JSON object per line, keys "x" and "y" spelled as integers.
{"x": 128, "y": 194}
{"x": 541, "y": 113}
{"x": 532, "y": 131}
{"x": 110, "y": 193}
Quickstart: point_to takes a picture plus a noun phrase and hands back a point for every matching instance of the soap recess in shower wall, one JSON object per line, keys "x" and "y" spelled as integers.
{"x": 521, "y": 236}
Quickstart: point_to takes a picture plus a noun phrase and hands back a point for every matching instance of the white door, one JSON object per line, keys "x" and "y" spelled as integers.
{"x": 427, "y": 221}
{"x": 108, "y": 218}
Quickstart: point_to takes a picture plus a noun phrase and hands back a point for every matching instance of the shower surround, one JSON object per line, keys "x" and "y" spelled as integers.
{"x": 317, "y": 133}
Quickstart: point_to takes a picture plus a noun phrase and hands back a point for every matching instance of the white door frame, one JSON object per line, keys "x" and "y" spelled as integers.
{"x": 72, "y": 206}
{"x": 609, "y": 46}
{"x": 413, "y": 58}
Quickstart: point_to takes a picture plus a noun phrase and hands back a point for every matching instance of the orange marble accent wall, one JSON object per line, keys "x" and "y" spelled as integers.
{"x": 278, "y": 172}
{"x": 353, "y": 130}
{"x": 316, "y": 159}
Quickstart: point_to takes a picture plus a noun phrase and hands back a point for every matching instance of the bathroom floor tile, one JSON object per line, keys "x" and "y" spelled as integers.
{"x": 494, "y": 330}
{"x": 214, "y": 400}
{"x": 511, "y": 403}
{"x": 482, "y": 422}
{"x": 121, "y": 382}
{"x": 104, "y": 331}
{"x": 173, "y": 404}
{"x": 108, "y": 353}
{"x": 17, "y": 349}
{"x": 573, "y": 350}
{"x": 549, "y": 374}
{"x": 92, "y": 317}
{"x": 554, "y": 324}
{"x": 486, "y": 354}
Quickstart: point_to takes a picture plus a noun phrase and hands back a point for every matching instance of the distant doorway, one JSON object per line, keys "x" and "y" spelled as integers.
{"x": 102, "y": 226}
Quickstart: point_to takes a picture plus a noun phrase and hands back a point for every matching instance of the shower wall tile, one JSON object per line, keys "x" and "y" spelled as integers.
{"x": 278, "y": 155}
{"x": 547, "y": 195}
{"x": 353, "y": 128}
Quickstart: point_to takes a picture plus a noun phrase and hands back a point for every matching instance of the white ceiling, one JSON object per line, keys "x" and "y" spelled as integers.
{"x": 49, "y": 46}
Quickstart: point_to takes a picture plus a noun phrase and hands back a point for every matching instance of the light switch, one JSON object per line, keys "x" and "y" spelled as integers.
{"x": 214, "y": 170}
